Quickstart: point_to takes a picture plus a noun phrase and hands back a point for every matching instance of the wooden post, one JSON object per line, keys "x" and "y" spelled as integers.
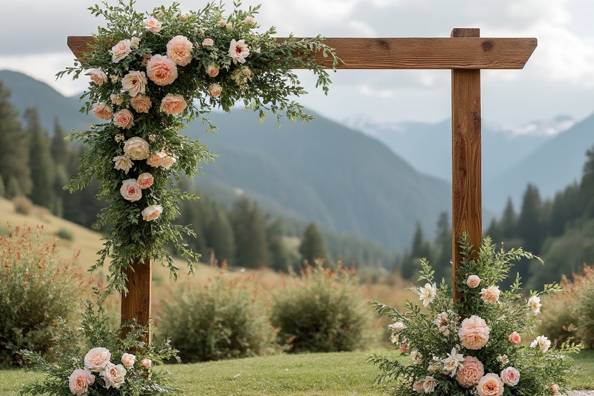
{"x": 136, "y": 303}
{"x": 466, "y": 157}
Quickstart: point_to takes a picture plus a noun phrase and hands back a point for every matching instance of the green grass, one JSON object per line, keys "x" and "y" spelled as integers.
{"x": 330, "y": 374}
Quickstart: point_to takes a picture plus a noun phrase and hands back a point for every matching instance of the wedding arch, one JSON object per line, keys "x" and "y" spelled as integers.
{"x": 465, "y": 53}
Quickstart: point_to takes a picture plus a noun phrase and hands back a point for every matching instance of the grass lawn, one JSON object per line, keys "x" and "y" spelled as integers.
{"x": 307, "y": 374}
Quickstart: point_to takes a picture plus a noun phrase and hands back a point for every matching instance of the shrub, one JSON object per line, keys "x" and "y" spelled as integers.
{"x": 220, "y": 320}
{"x": 65, "y": 234}
{"x": 38, "y": 291}
{"x": 321, "y": 312}
{"x": 22, "y": 205}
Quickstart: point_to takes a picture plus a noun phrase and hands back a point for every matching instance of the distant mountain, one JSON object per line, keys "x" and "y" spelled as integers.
{"x": 320, "y": 171}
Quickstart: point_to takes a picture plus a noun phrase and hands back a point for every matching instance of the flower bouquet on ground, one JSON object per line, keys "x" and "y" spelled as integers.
{"x": 96, "y": 359}
{"x": 482, "y": 344}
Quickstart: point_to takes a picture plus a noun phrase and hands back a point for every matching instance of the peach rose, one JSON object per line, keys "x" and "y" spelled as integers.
{"x": 102, "y": 111}
{"x": 156, "y": 159}
{"x": 79, "y": 381}
{"x": 490, "y": 295}
{"x": 123, "y": 163}
{"x": 151, "y": 213}
{"x": 515, "y": 338}
{"x": 98, "y": 76}
{"x": 161, "y": 70}
{"x": 179, "y": 50}
{"x": 222, "y": 23}
{"x": 490, "y": 385}
{"x": 141, "y": 103}
{"x": 473, "y": 281}
{"x": 173, "y": 104}
{"x": 121, "y": 50}
{"x": 418, "y": 386}
{"x": 250, "y": 21}
{"x": 555, "y": 391}
{"x": 212, "y": 70}
{"x": 510, "y": 376}
{"x": 128, "y": 360}
{"x": 215, "y": 90}
{"x": 238, "y": 51}
{"x": 145, "y": 180}
{"x": 136, "y": 148}
{"x": 123, "y": 119}
{"x": 168, "y": 161}
{"x": 116, "y": 99}
{"x": 130, "y": 190}
{"x": 134, "y": 83}
{"x": 207, "y": 42}
{"x": 471, "y": 372}
{"x": 429, "y": 384}
{"x": 147, "y": 363}
{"x": 96, "y": 359}
{"x": 152, "y": 24}
{"x": 113, "y": 375}
{"x": 474, "y": 333}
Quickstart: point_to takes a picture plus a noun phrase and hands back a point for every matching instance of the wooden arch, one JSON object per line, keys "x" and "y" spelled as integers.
{"x": 465, "y": 53}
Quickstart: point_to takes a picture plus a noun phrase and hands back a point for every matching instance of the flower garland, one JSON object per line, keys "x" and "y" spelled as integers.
{"x": 151, "y": 72}
{"x": 474, "y": 346}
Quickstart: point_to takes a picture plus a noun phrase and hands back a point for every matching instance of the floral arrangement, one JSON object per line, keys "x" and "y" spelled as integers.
{"x": 96, "y": 360}
{"x": 477, "y": 344}
{"x": 149, "y": 73}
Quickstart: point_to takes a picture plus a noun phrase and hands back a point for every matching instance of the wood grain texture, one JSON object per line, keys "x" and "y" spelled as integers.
{"x": 411, "y": 53}
{"x": 466, "y": 158}
{"x": 136, "y": 304}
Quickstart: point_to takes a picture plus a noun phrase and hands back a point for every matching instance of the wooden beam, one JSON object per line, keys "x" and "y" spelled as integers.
{"x": 136, "y": 303}
{"x": 411, "y": 53}
{"x": 466, "y": 158}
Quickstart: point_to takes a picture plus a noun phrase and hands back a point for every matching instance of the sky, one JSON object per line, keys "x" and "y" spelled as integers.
{"x": 558, "y": 79}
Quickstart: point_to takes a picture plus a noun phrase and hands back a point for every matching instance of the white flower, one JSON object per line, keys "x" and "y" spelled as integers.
{"x": 427, "y": 293}
{"x": 97, "y": 358}
{"x": 136, "y": 148}
{"x": 134, "y": 83}
{"x": 168, "y": 161}
{"x": 429, "y": 384}
{"x": 435, "y": 365}
{"x": 452, "y": 362}
{"x": 238, "y": 51}
{"x": 119, "y": 137}
{"x": 113, "y": 375}
{"x": 397, "y": 327}
{"x": 123, "y": 163}
{"x": 394, "y": 338}
{"x": 503, "y": 359}
{"x": 134, "y": 42}
{"x": 541, "y": 342}
{"x": 416, "y": 357}
{"x": 442, "y": 321}
{"x": 534, "y": 304}
{"x": 250, "y": 21}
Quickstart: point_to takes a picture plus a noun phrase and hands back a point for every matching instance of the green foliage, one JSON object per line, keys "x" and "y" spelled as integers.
{"x": 431, "y": 334}
{"x": 40, "y": 161}
{"x": 220, "y": 321}
{"x": 322, "y": 312}
{"x": 250, "y": 234}
{"x": 65, "y": 234}
{"x": 420, "y": 248}
{"x": 312, "y": 245}
{"x": 95, "y": 331}
{"x": 39, "y": 291}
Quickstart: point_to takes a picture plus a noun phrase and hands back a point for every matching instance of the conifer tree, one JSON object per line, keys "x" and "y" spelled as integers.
{"x": 14, "y": 149}
{"x": 2, "y": 188}
{"x": 251, "y": 249}
{"x": 279, "y": 256}
{"x": 59, "y": 147}
{"x": 508, "y": 222}
{"x": 40, "y": 161}
{"x": 587, "y": 185}
{"x": 420, "y": 249}
{"x": 312, "y": 245}
{"x": 530, "y": 224}
{"x": 443, "y": 246}
{"x": 219, "y": 234}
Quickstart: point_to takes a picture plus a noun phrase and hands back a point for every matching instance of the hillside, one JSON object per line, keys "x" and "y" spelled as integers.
{"x": 321, "y": 171}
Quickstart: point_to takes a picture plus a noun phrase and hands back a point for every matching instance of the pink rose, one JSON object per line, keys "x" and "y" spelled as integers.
{"x": 123, "y": 119}
{"x": 161, "y": 70}
{"x": 215, "y": 90}
{"x": 151, "y": 213}
{"x": 490, "y": 385}
{"x": 474, "y": 333}
{"x": 130, "y": 190}
{"x": 179, "y": 50}
{"x": 145, "y": 180}
{"x": 98, "y": 76}
{"x": 207, "y": 42}
{"x": 128, "y": 360}
{"x": 212, "y": 70}
{"x": 102, "y": 111}
{"x": 141, "y": 103}
{"x": 79, "y": 381}
{"x": 152, "y": 24}
{"x": 238, "y": 51}
{"x": 136, "y": 148}
{"x": 156, "y": 159}
{"x": 121, "y": 50}
{"x": 418, "y": 386}
{"x": 473, "y": 281}
{"x": 147, "y": 363}
{"x": 113, "y": 375}
{"x": 471, "y": 372}
{"x": 173, "y": 104}
{"x": 515, "y": 338}
{"x": 134, "y": 83}
{"x": 96, "y": 359}
{"x": 490, "y": 295}
{"x": 510, "y": 376}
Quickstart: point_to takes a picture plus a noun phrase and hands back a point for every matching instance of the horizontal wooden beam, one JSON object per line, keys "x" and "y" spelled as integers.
{"x": 411, "y": 53}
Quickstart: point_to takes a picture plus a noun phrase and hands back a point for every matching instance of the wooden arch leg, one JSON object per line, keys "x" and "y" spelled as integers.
{"x": 136, "y": 304}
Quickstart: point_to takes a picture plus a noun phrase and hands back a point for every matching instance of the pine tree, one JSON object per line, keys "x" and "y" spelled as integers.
{"x": 14, "y": 149}
{"x": 530, "y": 224}
{"x": 59, "y": 147}
{"x": 40, "y": 161}
{"x": 508, "y": 223}
{"x": 251, "y": 249}
{"x": 419, "y": 249}
{"x": 219, "y": 234}
{"x": 443, "y": 246}
{"x": 312, "y": 245}
{"x": 2, "y": 188}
